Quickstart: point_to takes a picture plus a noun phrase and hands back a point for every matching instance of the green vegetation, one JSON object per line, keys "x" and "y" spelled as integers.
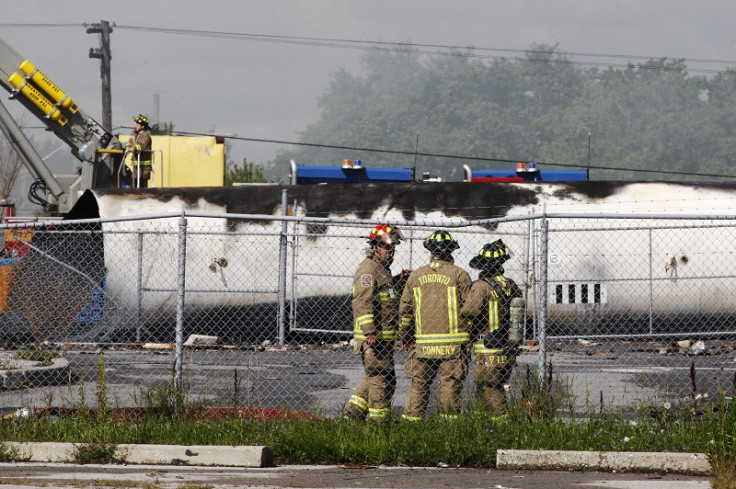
{"x": 471, "y": 440}
{"x": 96, "y": 453}
{"x": 162, "y": 129}
{"x": 541, "y": 417}
{"x": 244, "y": 173}
{"x": 43, "y": 356}
{"x": 9, "y": 454}
{"x": 541, "y": 107}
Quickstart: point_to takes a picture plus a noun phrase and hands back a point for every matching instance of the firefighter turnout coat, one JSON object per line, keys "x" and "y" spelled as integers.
{"x": 375, "y": 312}
{"x": 430, "y": 307}
{"x": 140, "y": 146}
{"x": 488, "y": 310}
{"x": 375, "y": 301}
{"x": 430, "y": 320}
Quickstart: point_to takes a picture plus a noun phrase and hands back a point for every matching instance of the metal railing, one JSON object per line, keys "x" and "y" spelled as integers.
{"x": 137, "y": 169}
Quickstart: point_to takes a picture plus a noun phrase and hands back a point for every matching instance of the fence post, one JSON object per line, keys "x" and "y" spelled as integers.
{"x": 139, "y": 309}
{"x": 179, "y": 353}
{"x": 529, "y": 277}
{"x": 651, "y": 285}
{"x": 542, "y": 305}
{"x": 294, "y": 247}
{"x": 282, "y": 269}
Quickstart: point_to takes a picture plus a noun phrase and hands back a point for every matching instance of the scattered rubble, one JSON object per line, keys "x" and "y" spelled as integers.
{"x": 200, "y": 339}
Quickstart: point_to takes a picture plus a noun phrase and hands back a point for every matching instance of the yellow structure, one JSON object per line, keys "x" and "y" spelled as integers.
{"x": 185, "y": 161}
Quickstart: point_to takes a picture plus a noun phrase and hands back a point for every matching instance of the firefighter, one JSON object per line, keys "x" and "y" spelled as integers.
{"x": 431, "y": 331}
{"x": 140, "y": 147}
{"x": 375, "y": 312}
{"x": 495, "y": 311}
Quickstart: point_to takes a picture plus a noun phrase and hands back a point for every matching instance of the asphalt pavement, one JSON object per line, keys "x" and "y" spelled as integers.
{"x": 29, "y": 475}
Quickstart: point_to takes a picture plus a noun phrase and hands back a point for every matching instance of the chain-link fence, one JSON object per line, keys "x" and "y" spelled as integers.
{"x": 239, "y": 310}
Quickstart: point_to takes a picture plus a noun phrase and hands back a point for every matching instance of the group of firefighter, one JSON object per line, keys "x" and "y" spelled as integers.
{"x": 438, "y": 315}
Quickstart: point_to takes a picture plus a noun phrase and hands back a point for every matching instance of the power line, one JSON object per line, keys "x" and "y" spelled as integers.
{"x": 384, "y": 45}
{"x": 519, "y": 55}
{"x": 436, "y": 49}
{"x": 436, "y": 155}
{"x": 55, "y": 24}
{"x": 457, "y": 157}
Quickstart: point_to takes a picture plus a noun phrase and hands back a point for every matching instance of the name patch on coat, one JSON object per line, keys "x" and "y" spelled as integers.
{"x": 366, "y": 280}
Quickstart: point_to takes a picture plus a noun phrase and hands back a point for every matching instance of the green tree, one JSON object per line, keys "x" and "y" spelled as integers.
{"x": 244, "y": 173}
{"x": 649, "y": 116}
{"x": 162, "y": 129}
{"x": 455, "y": 105}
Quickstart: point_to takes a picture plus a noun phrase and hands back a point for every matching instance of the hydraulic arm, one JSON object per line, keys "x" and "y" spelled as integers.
{"x": 61, "y": 115}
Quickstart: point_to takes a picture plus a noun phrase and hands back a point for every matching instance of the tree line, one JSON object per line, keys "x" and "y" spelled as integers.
{"x": 647, "y": 121}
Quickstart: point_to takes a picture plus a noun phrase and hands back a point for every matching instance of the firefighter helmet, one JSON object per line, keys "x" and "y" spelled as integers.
{"x": 141, "y": 119}
{"x": 492, "y": 254}
{"x": 441, "y": 242}
{"x": 384, "y": 234}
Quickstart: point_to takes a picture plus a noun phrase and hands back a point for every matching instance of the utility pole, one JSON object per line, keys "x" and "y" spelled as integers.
{"x": 103, "y": 53}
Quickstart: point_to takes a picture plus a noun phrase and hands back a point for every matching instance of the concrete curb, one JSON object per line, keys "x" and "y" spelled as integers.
{"x": 29, "y": 375}
{"x": 679, "y": 463}
{"x": 261, "y": 456}
{"x": 229, "y": 456}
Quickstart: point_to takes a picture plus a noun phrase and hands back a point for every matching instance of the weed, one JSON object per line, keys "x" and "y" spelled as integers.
{"x": 10, "y": 453}
{"x": 540, "y": 399}
{"x": 244, "y": 386}
{"x": 11, "y": 481}
{"x": 541, "y": 416}
{"x": 163, "y": 401}
{"x": 109, "y": 483}
{"x": 43, "y": 356}
{"x": 97, "y": 453}
{"x": 724, "y": 472}
{"x": 103, "y": 412}
{"x": 5, "y": 365}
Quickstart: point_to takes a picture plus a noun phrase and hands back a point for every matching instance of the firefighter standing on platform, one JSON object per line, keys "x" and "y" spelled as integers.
{"x": 431, "y": 329}
{"x": 140, "y": 147}
{"x": 375, "y": 312}
{"x": 495, "y": 309}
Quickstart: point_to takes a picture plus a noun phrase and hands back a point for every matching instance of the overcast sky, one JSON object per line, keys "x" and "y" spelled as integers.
{"x": 268, "y": 90}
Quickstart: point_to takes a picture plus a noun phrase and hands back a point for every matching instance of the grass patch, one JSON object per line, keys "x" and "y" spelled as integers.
{"x": 17, "y": 482}
{"x": 114, "y": 483}
{"x": 97, "y": 453}
{"x": 469, "y": 441}
{"x": 9, "y": 454}
{"x": 109, "y": 483}
{"x": 541, "y": 417}
{"x": 724, "y": 472}
{"x": 43, "y": 356}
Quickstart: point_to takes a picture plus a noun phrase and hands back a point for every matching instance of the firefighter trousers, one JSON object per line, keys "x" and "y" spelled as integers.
{"x": 422, "y": 372}
{"x": 374, "y": 394}
{"x": 491, "y": 374}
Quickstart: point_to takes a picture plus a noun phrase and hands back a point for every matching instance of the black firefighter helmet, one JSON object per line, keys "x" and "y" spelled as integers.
{"x": 441, "y": 242}
{"x": 491, "y": 255}
{"x": 141, "y": 119}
